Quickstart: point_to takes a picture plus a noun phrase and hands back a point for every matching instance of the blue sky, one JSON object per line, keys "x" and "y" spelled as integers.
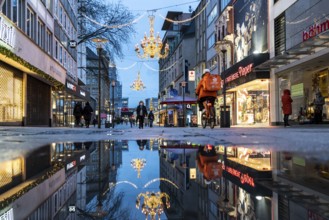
{"x": 129, "y": 66}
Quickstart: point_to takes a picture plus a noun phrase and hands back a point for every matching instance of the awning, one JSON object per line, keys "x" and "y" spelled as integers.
{"x": 179, "y": 100}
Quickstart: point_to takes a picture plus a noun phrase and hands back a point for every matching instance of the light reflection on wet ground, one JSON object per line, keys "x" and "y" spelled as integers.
{"x": 172, "y": 179}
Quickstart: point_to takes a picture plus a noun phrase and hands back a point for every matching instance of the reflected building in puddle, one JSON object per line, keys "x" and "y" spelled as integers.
{"x": 206, "y": 182}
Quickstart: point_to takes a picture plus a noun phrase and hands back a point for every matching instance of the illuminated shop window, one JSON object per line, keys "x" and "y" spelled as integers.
{"x": 11, "y": 96}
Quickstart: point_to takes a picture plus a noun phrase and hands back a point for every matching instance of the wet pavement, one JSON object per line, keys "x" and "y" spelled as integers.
{"x": 195, "y": 177}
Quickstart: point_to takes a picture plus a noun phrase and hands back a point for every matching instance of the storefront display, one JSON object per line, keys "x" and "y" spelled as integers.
{"x": 252, "y": 106}
{"x": 11, "y": 96}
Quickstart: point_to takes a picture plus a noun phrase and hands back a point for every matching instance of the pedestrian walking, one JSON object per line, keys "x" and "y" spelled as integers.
{"x": 151, "y": 118}
{"x": 77, "y": 112}
{"x": 141, "y": 114}
{"x": 318, "y": 107}
{"x": 87, "y": 112}
{"x": 286, "y": 106}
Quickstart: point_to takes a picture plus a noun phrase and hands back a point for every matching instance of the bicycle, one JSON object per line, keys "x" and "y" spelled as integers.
{"x": 211, "y": 119}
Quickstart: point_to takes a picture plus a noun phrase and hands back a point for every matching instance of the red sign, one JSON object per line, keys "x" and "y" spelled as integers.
{"x": 315, "y": 30}
{"x": 244, "y": 177}
{"x": 124, "y": 109}
{"x": 243, "y": 71}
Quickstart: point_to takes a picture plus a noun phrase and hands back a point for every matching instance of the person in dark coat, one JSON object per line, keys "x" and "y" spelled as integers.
{"x": 141, "y": 114}
{"x": 286, "y": 106}
{"x": 77, "y": 112}
{"x": 87, "y": 111}
{"x": 318, "y": 107}
{"x": 151, "y": 118}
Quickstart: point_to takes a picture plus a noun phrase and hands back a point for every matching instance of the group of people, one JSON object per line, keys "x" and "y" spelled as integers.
{"x": 287, "y": 107}
{"x": 85, "y": 112}
{"x": 141, "y": 113}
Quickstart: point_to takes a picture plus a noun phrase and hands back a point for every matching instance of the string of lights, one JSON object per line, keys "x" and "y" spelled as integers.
{"x": 186, "y": 20}
{"x": 156, "y": 70}
{"x": 148, "y": 12}
{"x": 160, "y": 179}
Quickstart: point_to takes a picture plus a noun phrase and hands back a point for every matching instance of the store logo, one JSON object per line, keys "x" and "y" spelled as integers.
{"x": 244, "y": 177}
{"x": 7, "y": 32}
{"x": 315, "y": 29}
{"x": 71, "y": 86}
{"x": 243, "y": 71}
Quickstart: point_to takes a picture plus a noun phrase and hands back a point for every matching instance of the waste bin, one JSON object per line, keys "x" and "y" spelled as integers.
{"x": 180, "y": 122}
{"x": 225, "y": 117}
{"x": 107, "y": 124}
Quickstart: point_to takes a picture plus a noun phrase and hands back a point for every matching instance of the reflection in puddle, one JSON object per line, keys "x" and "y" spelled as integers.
{"x": 163, "y": 179}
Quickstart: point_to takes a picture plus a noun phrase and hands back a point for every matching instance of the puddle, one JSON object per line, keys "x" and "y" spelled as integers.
{"x": 163, "y": 179}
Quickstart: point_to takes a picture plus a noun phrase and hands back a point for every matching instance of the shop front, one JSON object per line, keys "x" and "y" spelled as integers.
{"x": 243, "y": 173}
{"x": 26, "y": 81}
{"x": 247, "y": 91}
{"x": 306, "y": 55}
{"x": 175, "y": 113}
{"x": 63, "y": 103}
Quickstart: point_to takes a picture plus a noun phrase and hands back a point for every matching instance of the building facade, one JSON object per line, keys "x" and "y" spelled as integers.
{"x": 173, "y": 75}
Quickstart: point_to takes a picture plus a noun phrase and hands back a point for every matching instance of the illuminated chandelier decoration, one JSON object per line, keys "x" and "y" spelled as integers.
{"x": 138, "y": 83}
{"x": 153, "y": 204}
{"x": 152, "y": 45}
{"x": 138, "y": 164}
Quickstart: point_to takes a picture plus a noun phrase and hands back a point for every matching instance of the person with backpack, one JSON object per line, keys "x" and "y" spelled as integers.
{"x": 207, "y": 90}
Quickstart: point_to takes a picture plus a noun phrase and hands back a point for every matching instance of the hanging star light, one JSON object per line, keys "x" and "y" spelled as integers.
{"x": 138, "y": 83}
{"x": 153, "y": 203}
{"x": 152, "y": 46}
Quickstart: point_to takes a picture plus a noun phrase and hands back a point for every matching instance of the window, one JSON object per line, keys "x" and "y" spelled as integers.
{"x": 212, "y": 15}
{"x": 223, "y": 4}
{"x": 30, "y": 23}
{"x": 211, "y": 41}
{"x": 49, "y": 42}
{"x": 60, "y": 16}
{"x": 280, "y": 35}
{"x": 41, "y": 34}
{"x": 60, "y": 54}
{"x": 56, "y": 50}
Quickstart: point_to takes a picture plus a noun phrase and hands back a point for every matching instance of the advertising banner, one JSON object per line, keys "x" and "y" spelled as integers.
{"x": 250, "y": 26}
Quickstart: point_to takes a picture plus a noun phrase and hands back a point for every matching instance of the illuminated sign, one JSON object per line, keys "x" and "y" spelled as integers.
{"x": 71, "y": 86}
{"x": 242, "y": 71}
{"x": 83, "y": 157}
{"x": 71, "y": 165}
{"x": 192, "y": 173}
{"x": 191, "y": 75}
{"x": 9, "y": 215}
{"x": 7, "y": 32}
{"x": 315, "y": 29}
{"x": 83, "y": 93}
{"x": 244, "y": 177}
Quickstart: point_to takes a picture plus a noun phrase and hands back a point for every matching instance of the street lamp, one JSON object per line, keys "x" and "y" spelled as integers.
{"x": 225, "y": 123}
{"x": 113, "y": 85}
{"x": 99, "y": 42}
{"x": 183, "y": 84}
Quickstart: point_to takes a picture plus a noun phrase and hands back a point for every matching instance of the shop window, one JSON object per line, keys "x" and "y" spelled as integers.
{"x": 10, "y": 174}
{"x": 11, "y": 96}
{"x": 280, "y": 34}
